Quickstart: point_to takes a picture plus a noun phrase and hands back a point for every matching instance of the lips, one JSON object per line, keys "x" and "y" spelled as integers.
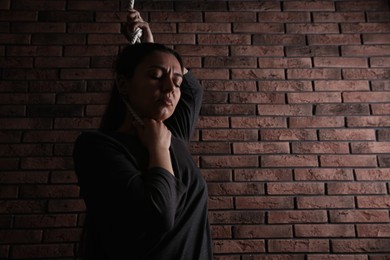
{"x": 166, "y": 101}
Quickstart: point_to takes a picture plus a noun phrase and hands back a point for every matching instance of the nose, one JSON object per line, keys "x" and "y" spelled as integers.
{"x": 168, "y": 85}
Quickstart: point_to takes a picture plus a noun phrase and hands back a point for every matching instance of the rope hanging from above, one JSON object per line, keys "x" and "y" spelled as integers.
{"x": 133, "y": 37}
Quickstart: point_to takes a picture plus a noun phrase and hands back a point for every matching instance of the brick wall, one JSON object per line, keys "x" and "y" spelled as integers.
{"x": 293, "y": 139}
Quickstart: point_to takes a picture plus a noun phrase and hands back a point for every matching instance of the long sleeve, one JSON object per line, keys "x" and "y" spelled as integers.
{"x": 107, "y": 172}
{"x": 183, "y": 121}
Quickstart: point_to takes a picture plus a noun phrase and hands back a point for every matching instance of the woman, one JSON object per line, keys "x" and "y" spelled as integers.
{"x": 144, "y": 195}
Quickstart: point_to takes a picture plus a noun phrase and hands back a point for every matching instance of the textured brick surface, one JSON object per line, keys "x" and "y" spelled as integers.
{"x": 293, "y": 137}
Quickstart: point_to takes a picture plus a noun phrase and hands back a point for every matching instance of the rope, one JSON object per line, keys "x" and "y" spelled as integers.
{"x": 133, "y": 37}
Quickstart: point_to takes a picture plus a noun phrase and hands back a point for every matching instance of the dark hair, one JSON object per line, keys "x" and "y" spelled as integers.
{"x": 127, "y": 61}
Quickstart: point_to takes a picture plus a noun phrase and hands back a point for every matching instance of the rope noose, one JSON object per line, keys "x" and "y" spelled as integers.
{"x": 133, "y": 37}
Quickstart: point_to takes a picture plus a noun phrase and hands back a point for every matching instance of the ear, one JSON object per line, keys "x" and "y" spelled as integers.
{"x": 121, "y": 81}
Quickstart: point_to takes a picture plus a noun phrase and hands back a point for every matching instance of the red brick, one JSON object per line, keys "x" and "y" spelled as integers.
{"x": 366, "y": 97}
{"x": 16, "y": 62}
{"x": 368, "y": 121}
{"x": 258, "y": 27}
{"x": 260, "y": 148}
{"x": 359, "y": 216}
{"x": 384, "y": 161}
{"x": 218, "y": 202}
{"x": 68, "y": 16}
{"x": 285, "y": 63}
{"x": 58, "y": 39}
{"x": 378, "y": 16}
{"x": 41, "y": 250}
{"x": 36, "y": 163}
{"x": 373, "y": 202}
{"x": 71, "y": 74}
{"x": 348, "y": 160}
{"x": 220, "y": 175}
{"x": 14, "y": 39}
{"x": 25, "y": 123}
{"x": 68, "y": 177}
{"x": 342, "y": 109}
{"x": 309, "y": 6}
{"x": 228, "y": 109}
{"x": 34, "y": 51}
{"x": 365, "y": 51}
{"x": 321, "y": 202}
{"x": 181, "y": 17}
{"x": 362, "y": 5}
{"x": 316, "y": 122}
{"x": 261, "y": 203}
{"x": 210, "y": 147}
{"x": 370, "y": 147}
{"x": 340, "y": 62}
{"x": 297, "y": 216}
{"x": 238, "y": 246}
{"x": 62, "y": 235}
{"x": 262, "y": 51}
{"x": 373, "y": 230}
{"x": 341, "y": 85}
{"x": 341, "y": 17}
{"x": 313, "y": 74}
{"x": 279, "y": 39}
{"x": 223, "y": 231}
{"x": 17, "y": 16}
{"x": 275, "y": 257}
{"x": 236, "y": 217}
{"x": 284, "y": 17}
{"x": 15, "y": 150}
{"x": 36, "y": 27}
{"x": 37, "y": 5}
{"x": 9, "y": 163}
{"x": 229, "y": 161}
{"x": 229, "y": 134}
{"x": 295, "y": 188}
{"x": 46, "y": 220}
{"x": 257, "y": 98}
{"x": 214, "y": 28}
{"x": 210, "y": 73}
{"x": 173, "y": 39}
{"x": 347, "y": 134}
{"x": 229, "y": 85}
{"x": 262, "y": 231}
{"x": 163, "y": 27}
{"x": 23, "y": 177}
{"x": 324, "y": 230}
{"x": 263, "y": 175}
{"x": 257, "y": 122}
{"x": 357, "y": 188}
{"x": 323, "y": 174}
{"x": 373, "y": 38}
{"x": 96, "y": 5}
{"x": 365, "y": 28}
{"x": 9, "y": 192}
{"x": 314, "y": 97}
{"x": 384, "y": 135}
{"x": 66, "y": 205}
{"x": 372, "y": 174}
{"x": 361, "y": 246}
{"x": 319, "y": 147}
{"x": 215, "y": 97}
{"x": 223, "y": 39}
{"x": 337, "y": 257}
{"x": 48, "y": 191}
{"x": 231, "y": 62}
{"x": 82, "y": 98}
{"x": 311, "y": 51}
{"x": 21, "y": 236}
{"x": 22, "y": 206}
{"x": 285, "y": 86}
{"x": 12, "y": 111}
{"x": 260, "y": 74}
{"x": 13, "y": 86}
{"x": 288, "y": 135}
{"x": 289, "y": 161}
{"x": 299, "y": 245}
{"x": 213, "y": 122}
{"x": 218, "y": 189}
{"x": 254, "y": 6}
{"x": 378, "y": 62}
{"x": 312, "y": 28}
{"x": 334, "y": 39}
{"x": 93, "y": 28}
{"x": 229, "y": 16}
{"x": 28, "y": 74}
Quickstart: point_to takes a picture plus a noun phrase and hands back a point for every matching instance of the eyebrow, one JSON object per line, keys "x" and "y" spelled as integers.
{"x": 163, "y": 68}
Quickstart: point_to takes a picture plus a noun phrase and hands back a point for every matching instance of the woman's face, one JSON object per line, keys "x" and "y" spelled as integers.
{"x": 154, "y": 89}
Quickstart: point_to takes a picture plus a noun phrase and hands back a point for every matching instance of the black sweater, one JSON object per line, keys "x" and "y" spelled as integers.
{"x": 140, "y": 213}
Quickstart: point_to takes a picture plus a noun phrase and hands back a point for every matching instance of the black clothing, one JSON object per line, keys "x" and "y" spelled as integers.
{"x": 140, "y": 213}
